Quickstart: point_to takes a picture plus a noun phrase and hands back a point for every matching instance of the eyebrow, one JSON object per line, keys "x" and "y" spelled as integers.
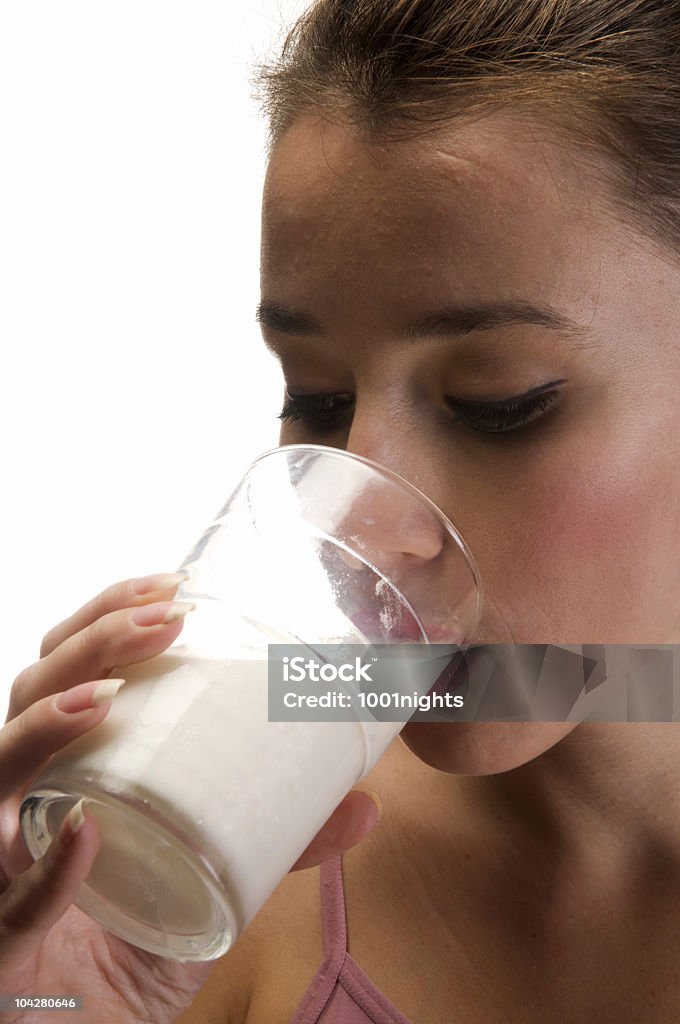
{"x": 447, "y": 323}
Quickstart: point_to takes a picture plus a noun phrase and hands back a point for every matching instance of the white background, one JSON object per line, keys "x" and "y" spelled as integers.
{"x": 135, "y": 385}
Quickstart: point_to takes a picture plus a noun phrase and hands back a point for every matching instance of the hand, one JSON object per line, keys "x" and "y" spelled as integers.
{"x": 47, "y": 946}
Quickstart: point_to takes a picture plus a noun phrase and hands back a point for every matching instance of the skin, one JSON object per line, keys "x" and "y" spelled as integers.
{"x": 573, "y": 519}
{"x": 515, "y": 865}
{"x": 367, "y": 239}
{"x": 46, "y": 944}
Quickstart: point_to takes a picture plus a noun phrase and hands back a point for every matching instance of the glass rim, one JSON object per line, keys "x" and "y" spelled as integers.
{"x": 395, "y": 478}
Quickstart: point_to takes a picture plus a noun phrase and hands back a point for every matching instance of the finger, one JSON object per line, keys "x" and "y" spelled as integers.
{"x": 350, "y": 822}
{"x": 48, "y": 725}
{"x": 120, "y": 638}
{"x": 36, "y": 900}
{"x": 127, "y": 594}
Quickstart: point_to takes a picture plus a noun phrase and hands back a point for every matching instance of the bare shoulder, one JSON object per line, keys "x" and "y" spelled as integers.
{"x": 264, "y": 976}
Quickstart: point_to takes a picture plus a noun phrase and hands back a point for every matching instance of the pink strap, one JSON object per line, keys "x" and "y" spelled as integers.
{"x": 334, "y": 929}
{"x": 355, "y": 996}
{"x": 333, "y": 918}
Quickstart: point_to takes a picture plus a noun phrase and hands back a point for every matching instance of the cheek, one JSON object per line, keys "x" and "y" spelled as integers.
{"x": 605, "y": 543}
{"x": 613, "y": 505}
{"x": 591, "y": 513}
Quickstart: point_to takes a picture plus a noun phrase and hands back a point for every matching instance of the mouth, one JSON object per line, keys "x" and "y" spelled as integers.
{"x": 457, "y": 672}
{"x": 379, "y": 629}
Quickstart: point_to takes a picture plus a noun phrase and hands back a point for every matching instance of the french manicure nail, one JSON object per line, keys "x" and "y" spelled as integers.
{"x": 376, "y": 800}
{"x": 88, "y": 695}
{"x": 72, "y": 823}
{"x": 161, "y": 614}
{"x": 159, "y": 582}
{"x": 177, "y": 610}
{"x": 106, "y": 691}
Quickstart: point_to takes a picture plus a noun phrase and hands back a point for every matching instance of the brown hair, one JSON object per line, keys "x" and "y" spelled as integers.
{"x": 603, "y": 74}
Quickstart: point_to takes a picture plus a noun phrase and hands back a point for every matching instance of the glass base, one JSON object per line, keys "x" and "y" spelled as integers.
{"x": 145, "y": 885}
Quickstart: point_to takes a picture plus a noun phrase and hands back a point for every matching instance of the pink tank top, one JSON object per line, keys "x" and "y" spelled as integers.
{"x": 340, "y": 992}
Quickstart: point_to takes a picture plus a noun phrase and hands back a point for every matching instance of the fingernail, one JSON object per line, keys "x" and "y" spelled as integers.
{"x": 376, "y": 800}
{"x": 106, "y": 691}
{"x": 161, "y": 614}
{"x": 159, "y": 582}
{"x": 88, "y": 695}
{"x": 72, "y": 823}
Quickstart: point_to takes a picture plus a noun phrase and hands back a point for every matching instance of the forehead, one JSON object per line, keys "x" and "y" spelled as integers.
{"x": 494, "y": 200}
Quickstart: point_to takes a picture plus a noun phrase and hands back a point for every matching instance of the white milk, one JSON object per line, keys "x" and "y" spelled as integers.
{"x": 187, "y": 738}
{"x": 203, "y": 804}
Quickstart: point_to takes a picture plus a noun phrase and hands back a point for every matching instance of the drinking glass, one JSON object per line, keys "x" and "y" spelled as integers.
{"x": 203, "y": 804}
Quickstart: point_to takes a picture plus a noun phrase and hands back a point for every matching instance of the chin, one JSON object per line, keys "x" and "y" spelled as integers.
{"x": 482, "y": 748}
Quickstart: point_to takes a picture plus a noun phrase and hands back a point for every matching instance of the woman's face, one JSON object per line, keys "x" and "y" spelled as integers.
{"x": 500, "y": 244}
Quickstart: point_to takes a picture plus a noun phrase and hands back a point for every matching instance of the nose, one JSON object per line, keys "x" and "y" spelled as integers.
{"x": 380, "y": 521}
{"x": 392, "y": 523}
{"x": 400, "y": 521}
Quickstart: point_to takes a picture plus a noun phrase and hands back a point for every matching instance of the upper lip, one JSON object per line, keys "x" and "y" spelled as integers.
{"x": 406, "y": 629}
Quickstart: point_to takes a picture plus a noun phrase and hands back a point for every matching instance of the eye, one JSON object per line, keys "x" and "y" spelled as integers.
{"x": 507, "y": 414}
{"x": 326, "y": 412}
{"x": 322, "y": 412}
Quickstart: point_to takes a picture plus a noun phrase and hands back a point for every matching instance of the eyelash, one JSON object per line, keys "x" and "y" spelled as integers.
{"x": 488, "y": 418}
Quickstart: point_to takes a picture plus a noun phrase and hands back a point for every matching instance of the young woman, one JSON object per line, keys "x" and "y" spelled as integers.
{"x": 470, "y": 273}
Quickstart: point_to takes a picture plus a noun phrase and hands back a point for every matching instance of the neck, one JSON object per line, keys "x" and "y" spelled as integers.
{"x": 568, "y": 858}
{"x": 614, "y": 782}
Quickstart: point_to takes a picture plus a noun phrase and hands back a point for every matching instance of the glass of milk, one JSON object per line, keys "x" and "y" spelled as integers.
{"x": 203, "y": 804}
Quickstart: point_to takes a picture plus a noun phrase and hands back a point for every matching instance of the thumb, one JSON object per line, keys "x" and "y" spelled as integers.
{"x": 351, "y": 821}
{"x": 38, "y": 897}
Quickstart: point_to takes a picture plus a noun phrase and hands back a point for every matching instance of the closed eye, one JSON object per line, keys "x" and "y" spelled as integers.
{"x": 503, "y": 416}
{"x": 326, "y": 412}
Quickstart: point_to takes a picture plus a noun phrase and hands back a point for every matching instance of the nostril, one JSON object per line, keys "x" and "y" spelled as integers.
{"x": 350, "y": 560}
